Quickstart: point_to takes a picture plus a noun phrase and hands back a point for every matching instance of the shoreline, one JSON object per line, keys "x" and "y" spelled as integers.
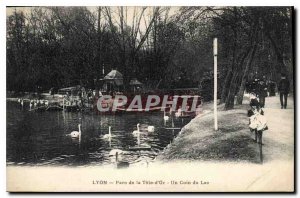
{"x": 233, "y": 142}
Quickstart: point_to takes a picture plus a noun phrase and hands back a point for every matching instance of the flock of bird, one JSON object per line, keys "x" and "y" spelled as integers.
{"x": 33, "y": 103}
{"x": 114, "y": 152}
{"x": 140, "y": 129}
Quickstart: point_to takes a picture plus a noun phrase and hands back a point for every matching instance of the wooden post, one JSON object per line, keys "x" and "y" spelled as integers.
{"x": 215, "y": 44}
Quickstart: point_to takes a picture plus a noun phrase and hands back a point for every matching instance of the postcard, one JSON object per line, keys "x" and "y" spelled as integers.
{"x": 150, "y": 99}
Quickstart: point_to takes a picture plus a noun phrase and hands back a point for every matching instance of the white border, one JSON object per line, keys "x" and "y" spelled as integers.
{"x": 5, "y": 3}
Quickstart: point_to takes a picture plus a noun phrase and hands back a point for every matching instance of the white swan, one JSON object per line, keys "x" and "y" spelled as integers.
{"x": 148, "y": 128}
{"x": 107, "y": 136}
{"x": 178, "y": 113}
{"x": 151, "y": 128}
{"x": 35, "y": 104}
{"x": 136, "y": 132}
{"x": 166, "y": 118}
{"x": 115, "y": 151}
{"x": 76, "y": 134}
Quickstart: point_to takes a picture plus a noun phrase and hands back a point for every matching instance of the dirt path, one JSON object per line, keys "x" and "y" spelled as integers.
{"x": 279, "y": 139}
{"x": 231, "y": 152}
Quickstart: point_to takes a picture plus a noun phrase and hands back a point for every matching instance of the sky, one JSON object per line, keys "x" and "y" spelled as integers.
{"x": 130, "y": 10}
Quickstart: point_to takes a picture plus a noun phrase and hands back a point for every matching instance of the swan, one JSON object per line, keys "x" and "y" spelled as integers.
{"x": 35, "y": 104}
{"x": 114, "y": 152}
{"x": 166, "y": 118}
{"x": 107, "y": 136}
{"x": 150, "y": 128}
{"x": 136, "y": 132}
{"x": 178, "y": 113}
{"x": 76, "y": 134}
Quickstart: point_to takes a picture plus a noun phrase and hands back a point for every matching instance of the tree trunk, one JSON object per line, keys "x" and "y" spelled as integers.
{"x": 229, "y": 103}
{"x": 240, "y": 94}
{"x": 226, "y": 86}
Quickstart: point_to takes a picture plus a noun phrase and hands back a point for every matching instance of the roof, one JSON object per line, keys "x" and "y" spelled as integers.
{"x": 114, "y": 77}
{"x": 113, "y": 74}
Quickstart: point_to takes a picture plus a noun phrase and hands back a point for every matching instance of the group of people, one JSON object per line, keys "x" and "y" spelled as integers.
{"x": 259, "y": 88}
{"x": 262, "y": 88}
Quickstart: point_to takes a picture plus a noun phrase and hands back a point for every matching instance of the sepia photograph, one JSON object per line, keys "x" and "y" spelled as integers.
{"x": 150, "y": 99}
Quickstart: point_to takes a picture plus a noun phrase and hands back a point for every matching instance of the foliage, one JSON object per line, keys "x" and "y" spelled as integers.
{"x": 65, "y": 46}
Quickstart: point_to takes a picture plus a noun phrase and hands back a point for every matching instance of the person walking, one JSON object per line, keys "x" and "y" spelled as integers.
{"x": 283, "y": 89}
{"x": 262, "y": 91}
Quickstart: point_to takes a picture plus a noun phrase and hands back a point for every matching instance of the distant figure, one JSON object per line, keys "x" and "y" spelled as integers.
{"x": 271, "y": 88}
{"x": 283, "y": 89}
{"x": 248, "y": 87}
{"x": 254, "y": 86}
{"x": 262, "y": 91}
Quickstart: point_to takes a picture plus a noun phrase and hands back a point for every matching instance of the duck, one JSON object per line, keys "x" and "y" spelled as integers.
{"x": 76, "y": 134}
{"x": 137, "y": 132}
{"x": 107, "y": 136}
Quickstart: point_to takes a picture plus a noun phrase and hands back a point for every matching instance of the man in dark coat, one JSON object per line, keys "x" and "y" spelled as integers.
{"x": 254, "y": 86}
{"x": 262, "y": 91}
{"x": 283, "y": 89}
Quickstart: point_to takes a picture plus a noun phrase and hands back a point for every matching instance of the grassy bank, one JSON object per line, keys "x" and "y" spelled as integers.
{"x": 198, "y": 140}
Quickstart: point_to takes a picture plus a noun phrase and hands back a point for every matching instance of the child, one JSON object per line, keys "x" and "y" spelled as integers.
{"x": 257, "y": 120}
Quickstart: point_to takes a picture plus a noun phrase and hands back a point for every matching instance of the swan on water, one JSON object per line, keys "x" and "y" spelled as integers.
{"x": 148, "y": 128}
{"x": 30, "y": 104}
{"x": 151, "y": 128}
{"x": 35, "y": 104}
{"x": 178, "y": 113}
{"x": 166, "y": 118}
{"x": 76, "y": 134}
{"x": 136, "y": 132}
{"x": 107, "y": 136}
{"x": 115, "y": 151}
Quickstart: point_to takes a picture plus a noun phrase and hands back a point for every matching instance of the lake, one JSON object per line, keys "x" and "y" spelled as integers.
{"x": 41, "y": 138}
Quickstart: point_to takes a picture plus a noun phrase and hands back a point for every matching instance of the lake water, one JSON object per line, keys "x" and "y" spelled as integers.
{"x": 41, "y": 138}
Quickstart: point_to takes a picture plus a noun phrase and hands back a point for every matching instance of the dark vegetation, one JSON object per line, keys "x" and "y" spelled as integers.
{"x": 66, "y": 46}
